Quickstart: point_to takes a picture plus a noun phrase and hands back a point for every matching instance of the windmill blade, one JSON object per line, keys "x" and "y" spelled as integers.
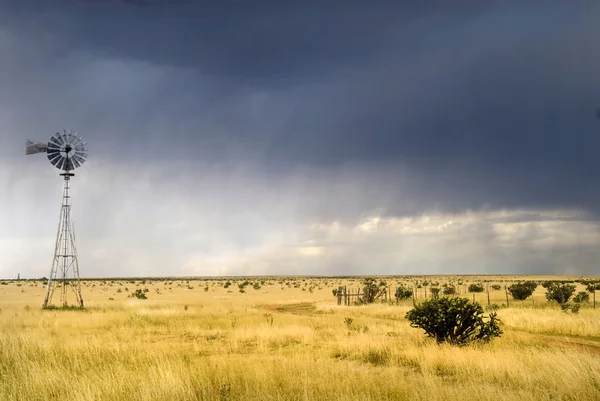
{"x": 53, "y": 152}
{"x": 65, "y": 163}
{"x": 32, "y": 148}
{"x": 60, "y": 163}
{"x": 53, "y": 146}
{"x": 79, "y": 160}
{"x": 68, "y": 165}
{"x": 58, "y": 138}
{"x": 54, "y": 142}
{"x": 55, "y": 160}
{"x": 74, "y": 162}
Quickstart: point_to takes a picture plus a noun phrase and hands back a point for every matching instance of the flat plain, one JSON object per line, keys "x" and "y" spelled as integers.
{"x": 285, "y": 338}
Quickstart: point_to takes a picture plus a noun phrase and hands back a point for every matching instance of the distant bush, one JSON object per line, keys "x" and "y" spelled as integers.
{"x": 560, "y": 293}
{"x": 403, "y": 292}
{"x": 476, "y": 287}
{"x": 449, "y": 290}
{"x": 370, "y": 291}
{"x": 435, "y": 292}
{"x": 591, "y": 287}
{"x": 496, "y": 287}
{"x": 522, "y": 291}
{"x": 139, "y": 294}
{"x": 582, "y": 297}
{"x": 454, "y": 320}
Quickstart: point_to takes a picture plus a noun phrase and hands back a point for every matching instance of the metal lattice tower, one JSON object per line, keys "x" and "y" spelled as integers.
{"x": 66, "y": 151}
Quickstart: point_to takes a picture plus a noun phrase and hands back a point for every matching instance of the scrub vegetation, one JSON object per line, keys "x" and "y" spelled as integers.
{"x": 285, "y": 338}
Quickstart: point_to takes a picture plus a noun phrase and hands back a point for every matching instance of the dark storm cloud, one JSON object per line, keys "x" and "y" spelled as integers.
{"x": 486, "y": 104}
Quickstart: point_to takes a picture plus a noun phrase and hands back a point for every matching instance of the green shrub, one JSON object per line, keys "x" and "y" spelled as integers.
{"x": 592, "y": 287}
{"x": 582, "y": 297}
{"x": 370, "y": 291}
{"x": 496, "y": 287}
{"x": 139, "y": 294}
{"x": 403, "y": 292}
{"x": 560, "y": 293}
{"x": 449, "y": 290}
{"x": 476, "y": 287}
{"x": 454, "y": 320}
{"x": 522, "y": 291}
{"x": 435, "y": 292}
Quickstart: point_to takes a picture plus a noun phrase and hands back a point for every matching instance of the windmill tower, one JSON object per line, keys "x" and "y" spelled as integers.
{"x": 66, "y": 151}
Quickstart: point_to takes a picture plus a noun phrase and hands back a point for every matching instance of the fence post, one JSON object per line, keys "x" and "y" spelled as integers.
{"x": 345, "y": 295}
{"x": 487, "y": 288}
{"x": 506, "y": 292}
{"x": 339, "y": 295}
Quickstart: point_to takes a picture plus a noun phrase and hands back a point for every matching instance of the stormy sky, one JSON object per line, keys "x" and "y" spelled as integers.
{"x": 298, "y": 137}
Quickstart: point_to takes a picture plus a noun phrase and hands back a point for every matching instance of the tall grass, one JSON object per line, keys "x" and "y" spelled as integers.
{"x": 223, "y": 346}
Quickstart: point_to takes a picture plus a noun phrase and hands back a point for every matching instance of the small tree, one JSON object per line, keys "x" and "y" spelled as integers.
{"x": 449, "y": 290}
{"x": 370, "y": 291}
{"x": 560, "y": 293}
{"x": 582, "y": 296}
{"x": 522, "y": 291}
{"x": 476, "y": 287}
{"x": 454, "y": 320}
{"x": 591, "y": 288}
{"x": 139, "y": 294}
{"x": 403, "y": 293}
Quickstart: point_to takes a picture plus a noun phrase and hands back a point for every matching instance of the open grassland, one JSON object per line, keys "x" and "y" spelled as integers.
{"x": 283, "y": 339}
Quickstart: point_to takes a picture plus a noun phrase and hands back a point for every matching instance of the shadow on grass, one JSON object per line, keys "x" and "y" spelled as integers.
{"x": 65, "y": 308}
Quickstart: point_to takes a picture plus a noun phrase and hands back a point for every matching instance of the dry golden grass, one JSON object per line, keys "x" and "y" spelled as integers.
{"x": 279, "y": 342}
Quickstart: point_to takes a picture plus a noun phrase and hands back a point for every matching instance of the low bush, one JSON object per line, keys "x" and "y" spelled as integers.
{"x": 139, "y": 294}
{"x": 560, "y": 293}
{"x": 403, "y": 292}
{"x": 450, "y": 290}
{"x": 522, "y": 291}
{"x": 582, "y": 296}
{"x": 454, "y": 320}
{"x": 476, "y": 287}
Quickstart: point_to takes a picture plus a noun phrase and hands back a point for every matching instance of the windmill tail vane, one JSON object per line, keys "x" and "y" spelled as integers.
{"x": 32, "y": 148}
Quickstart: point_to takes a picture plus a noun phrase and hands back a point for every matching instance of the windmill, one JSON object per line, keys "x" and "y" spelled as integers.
{"x": 66, "y": 151}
